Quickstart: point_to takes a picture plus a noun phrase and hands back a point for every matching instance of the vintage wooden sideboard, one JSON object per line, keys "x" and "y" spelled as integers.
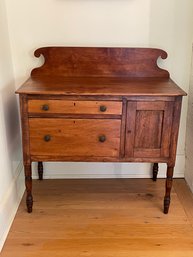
{"x": 102, "y": 105}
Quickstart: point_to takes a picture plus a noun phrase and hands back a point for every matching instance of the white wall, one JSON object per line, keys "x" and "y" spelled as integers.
{"x": 157, "y": 23}
{"x": 11, "y": 186}
{"x": 78, "y": 22}
{"x": 164, "y": 24}
{"x": 82, "y": 23}
{"x": 32, "y": 24}
{"x": 189, "y": 135}
{"x": 171, "y": 28}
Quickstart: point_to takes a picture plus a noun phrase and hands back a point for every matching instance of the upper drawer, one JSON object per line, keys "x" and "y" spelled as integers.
{"x": 74, "y": 107}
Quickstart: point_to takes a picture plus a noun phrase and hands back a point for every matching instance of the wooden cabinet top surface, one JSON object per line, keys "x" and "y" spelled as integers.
{"x": 101, "y": 87}
{"x": 100, "y": 72}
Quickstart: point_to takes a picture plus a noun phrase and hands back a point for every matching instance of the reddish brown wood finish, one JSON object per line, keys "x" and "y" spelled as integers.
{"x": 175, "y": 130}
{"x": 25, "y": 129}
{"x": 74, "y": 107}
{"x": 100, "y": 104}
{"x": 28, "y": 184}
{"x": 169, "y": 180}
{"x": 149, "y": 127}
{"x": 100, "y": 62}
{"x": 74, "y": 137}
{"x": 115, "y": 87}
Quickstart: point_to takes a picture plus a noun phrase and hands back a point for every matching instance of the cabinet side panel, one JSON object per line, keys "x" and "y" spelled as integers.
{"x": 167, "y": 128}
{"x": 25, "y": 129}
{"x": 175, "y": 130}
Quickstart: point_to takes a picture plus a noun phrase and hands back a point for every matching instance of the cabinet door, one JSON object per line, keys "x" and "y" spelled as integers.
{"x": 148, "y": 129}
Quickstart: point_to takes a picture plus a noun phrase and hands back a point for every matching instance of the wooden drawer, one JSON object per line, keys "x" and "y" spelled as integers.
{"x": 74, "y": 137}
{"x": 74, "y": 107}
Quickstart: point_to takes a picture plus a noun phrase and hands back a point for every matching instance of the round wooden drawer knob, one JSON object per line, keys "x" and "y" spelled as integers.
{"x": 103, "y": 108}
{"x": 45, "y": 107}
{"x": 47, "y": 138}
{"x": 102, "y": 139}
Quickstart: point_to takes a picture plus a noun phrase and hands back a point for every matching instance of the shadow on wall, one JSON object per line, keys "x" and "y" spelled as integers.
{"x": 11, "y": 123}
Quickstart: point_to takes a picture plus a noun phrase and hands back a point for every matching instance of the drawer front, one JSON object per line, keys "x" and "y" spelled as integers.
{"x": 74, "y": 137}
{"x": 74, "y": 107}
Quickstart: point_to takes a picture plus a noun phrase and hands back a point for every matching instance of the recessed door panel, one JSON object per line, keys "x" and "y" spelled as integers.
{"x": 148, "y": 129}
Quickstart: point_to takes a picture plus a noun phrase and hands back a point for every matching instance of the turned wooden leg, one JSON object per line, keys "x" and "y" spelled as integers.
{"x": 169, "y": 179}
{"x": 155, "y": 171}
{"x": 28, "y": 184}
{"x": 40, "y": 170}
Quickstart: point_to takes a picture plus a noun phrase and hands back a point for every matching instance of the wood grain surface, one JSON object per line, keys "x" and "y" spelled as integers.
{"x": 74, "y": 137}
{"x": 81, "y": 86}
{"x": 100, "y": 62}
{"x": 74, "y": 107}
{"x": 103, "y": 218}
{"x": 100, "y": 104}
{"x": 149, "y": 128}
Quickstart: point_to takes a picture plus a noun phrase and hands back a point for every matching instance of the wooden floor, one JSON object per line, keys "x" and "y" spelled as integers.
{"x": 103, "y": 218}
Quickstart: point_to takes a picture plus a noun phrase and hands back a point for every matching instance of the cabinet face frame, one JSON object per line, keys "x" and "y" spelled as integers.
{"x": 130, "y": 105}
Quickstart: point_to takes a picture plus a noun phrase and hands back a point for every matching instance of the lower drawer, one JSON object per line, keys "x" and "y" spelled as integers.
{"x": 74, "y": 137}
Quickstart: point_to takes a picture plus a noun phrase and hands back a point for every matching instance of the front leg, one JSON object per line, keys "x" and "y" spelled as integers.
{"x": 40, "y": 170}
{"x": 28, "y": 184}
{"x": 169, "y": 180}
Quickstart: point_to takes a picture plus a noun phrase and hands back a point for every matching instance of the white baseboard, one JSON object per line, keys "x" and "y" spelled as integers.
{"x": 68, "y": 170}
{"x": 10, "y": 203}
